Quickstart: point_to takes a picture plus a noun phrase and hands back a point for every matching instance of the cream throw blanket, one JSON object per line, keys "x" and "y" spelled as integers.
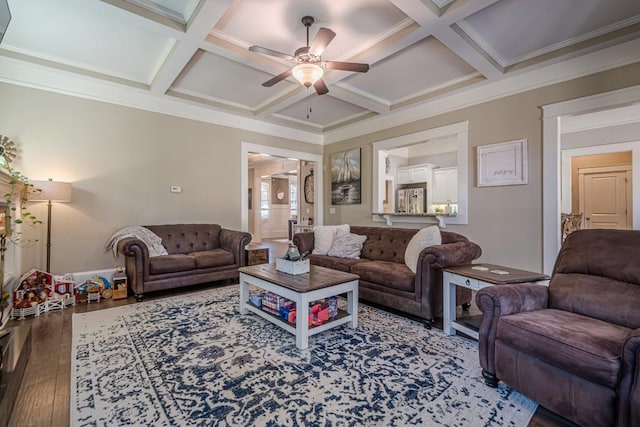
{"x": 152, "y": 240}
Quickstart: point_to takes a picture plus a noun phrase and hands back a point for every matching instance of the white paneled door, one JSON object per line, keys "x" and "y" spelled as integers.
{"x": 605, "y": 197}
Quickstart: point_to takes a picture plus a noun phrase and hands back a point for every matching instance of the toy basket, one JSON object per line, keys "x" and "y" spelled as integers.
{"x": 292, "y": 267}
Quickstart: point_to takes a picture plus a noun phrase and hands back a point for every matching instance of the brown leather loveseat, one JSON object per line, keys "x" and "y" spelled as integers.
{"x": 386, "y": 280}
{"x": 197, "y": 253}
{"x": 573, "y": 347}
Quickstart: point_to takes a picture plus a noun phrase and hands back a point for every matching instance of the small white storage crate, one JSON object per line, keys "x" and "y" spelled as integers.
{"x": 292, "y": 267}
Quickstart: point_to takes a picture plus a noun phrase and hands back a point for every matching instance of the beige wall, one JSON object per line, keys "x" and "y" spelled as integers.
{"x": 122, "y": 162}
{"x": 505, "y": 221}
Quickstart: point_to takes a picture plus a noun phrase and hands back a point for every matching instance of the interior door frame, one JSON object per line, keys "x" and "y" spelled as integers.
{"x": 552, "y": 115}
{"x": 248, "y": 147}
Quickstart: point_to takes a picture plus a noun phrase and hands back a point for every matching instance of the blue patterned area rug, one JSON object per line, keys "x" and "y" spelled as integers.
{"x": 193, "y": 360}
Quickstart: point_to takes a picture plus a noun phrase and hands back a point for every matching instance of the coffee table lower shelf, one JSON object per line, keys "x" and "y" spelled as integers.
{"x": 341, "y": 318}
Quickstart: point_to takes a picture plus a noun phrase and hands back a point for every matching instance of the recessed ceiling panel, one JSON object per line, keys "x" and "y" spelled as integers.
{"x": 513, "y": 30}
{"x": 325, "y": 110}
{"x": 225, "y": 80}
{"x": 275, "y": 24}
{"x": 71, "y": 32}
{"x": 414, "y": 70}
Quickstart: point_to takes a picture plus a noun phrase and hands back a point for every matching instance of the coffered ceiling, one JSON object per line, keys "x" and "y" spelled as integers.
{"x": 191, "y": 57}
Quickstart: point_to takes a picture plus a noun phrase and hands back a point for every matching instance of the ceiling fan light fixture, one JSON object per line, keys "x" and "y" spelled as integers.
{"x": 307, "y": 74}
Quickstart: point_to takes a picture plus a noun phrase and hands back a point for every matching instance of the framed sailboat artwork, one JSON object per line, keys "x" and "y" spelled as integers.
{"x": 345, "y": 177}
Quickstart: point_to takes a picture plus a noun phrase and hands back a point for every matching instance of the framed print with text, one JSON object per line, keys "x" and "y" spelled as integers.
{"x": 504, "y": 163}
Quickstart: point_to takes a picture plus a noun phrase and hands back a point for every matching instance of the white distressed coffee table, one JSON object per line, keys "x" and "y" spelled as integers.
{"x": 319, "y": 283}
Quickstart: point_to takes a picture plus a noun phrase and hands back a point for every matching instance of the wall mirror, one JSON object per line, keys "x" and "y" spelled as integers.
{"x": 436, "y": 161}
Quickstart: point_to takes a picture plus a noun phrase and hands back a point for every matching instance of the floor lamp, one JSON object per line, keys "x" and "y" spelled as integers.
{"x": 51, "y": 191}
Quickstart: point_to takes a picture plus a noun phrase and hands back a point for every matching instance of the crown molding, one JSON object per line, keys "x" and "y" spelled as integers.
{"x": 22, "y": 72}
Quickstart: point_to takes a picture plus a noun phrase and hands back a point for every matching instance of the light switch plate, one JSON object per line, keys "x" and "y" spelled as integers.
{"x": 332, "y": 210}
{"x": 175, "y": 189}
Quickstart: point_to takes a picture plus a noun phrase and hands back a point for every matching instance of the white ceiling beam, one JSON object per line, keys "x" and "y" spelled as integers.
{"x": 440, "y": 28}
{"x": 204, "y": 19}
{"x": 468, "y": 53}
{"x": 288, "y": 98}
{"x": 359, "y": 99}
{"x": 238, "y": 51}
{"x": 457, "y": 43}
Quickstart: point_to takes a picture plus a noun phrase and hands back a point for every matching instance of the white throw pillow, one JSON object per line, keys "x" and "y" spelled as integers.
{"x": 324, "y": 235}
{"x": 347, "y": 245}
{"x": 424, "y": 238}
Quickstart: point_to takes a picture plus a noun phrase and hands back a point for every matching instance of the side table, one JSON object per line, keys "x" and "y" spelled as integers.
{"x": 256, "y": 254}
{"x": 475, "y": 277}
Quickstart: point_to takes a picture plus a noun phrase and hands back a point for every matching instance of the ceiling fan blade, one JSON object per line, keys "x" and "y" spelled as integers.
{"x": 277, "y": 79}
{"x": 265, "y": 51}
{"x": 347, "y": 66}
{"x": 321, "y": 87}
{"x": 322, "y": 40}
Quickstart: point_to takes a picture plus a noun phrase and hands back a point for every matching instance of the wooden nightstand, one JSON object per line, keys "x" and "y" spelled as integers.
{"x": 256, "y": 254}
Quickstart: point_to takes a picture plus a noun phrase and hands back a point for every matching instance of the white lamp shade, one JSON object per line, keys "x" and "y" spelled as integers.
{"x": 307, "y": 74}
{"x": 51, "y": 190}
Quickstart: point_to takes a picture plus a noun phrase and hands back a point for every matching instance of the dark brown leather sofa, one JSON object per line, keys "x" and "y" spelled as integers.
{"x": 198, "y": 253}
{"x": 386, "y": 280}
{"x": 573, "y": 347}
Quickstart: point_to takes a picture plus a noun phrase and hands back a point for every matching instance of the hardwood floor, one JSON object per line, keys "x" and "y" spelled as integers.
{"x": 43, "y": 399}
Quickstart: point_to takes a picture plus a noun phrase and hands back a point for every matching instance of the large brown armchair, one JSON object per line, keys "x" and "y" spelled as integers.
{"x": 573, "y": 347}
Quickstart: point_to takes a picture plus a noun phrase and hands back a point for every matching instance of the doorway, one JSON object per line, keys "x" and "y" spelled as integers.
{"x": 306, "y": 161}
{"x": 624, "y": 100}
{"x": 597, "y": 184}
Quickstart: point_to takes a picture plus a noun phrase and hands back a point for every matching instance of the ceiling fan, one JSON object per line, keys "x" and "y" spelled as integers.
{"x": 310, "y": 67}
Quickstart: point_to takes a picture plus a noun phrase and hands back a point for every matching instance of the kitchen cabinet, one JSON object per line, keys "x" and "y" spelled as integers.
{"x": 445, "y": 186}
{"x": 413, "y": 174}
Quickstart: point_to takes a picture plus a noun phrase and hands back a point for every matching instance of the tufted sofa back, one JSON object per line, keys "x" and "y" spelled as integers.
{"x": 597, "y": 274}
{"x": 390, "y": 244}
{"x": 187, "y": 238}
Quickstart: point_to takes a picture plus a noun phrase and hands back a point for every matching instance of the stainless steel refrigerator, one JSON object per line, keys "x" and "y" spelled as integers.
{"x": 411, "y": 200}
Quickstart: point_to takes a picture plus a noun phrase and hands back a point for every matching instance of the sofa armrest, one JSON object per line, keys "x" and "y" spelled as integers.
{"x": 449, "y": 254}
{"x": 502, "y": 300}
{"x": 629, "y": 385}
{"x": 429, "y": 273}
{"x": 136, "y": 258}
{"x": 235, "y": 241}
{"x": 304, "y": 242}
